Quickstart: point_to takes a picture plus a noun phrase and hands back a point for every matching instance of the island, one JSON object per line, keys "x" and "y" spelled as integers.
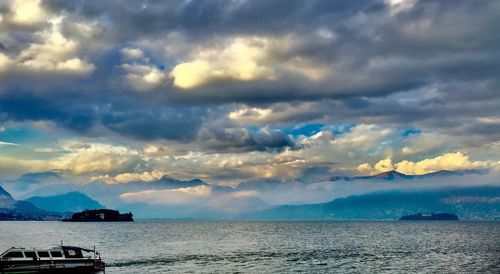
{"x": 100, "y": 215}
{"x": 430, "y": 217}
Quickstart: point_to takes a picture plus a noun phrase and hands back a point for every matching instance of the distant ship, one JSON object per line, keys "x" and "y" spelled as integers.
{"x": 100, "y": 215}
{"x": 430, "y": 217}
{"x": 59, "y": 259}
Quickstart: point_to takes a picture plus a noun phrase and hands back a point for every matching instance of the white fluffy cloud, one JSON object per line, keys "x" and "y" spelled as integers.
{"x": 4, "y": 62}
{"x": 141, "y": 75}
{"x": 250, "y": 115}
{"x": 50, "y": 52}
{"x": 242, "y": 59}
{"x": 178, "y": 196}
{"x": 448, "y": 161}
{"x": 92, "y": 158}
{"x": 364, "y": 136}
{"x": 144, "y": 77}
{"x": 400, "y": 5}
{"x": 128, "y": 177}
{"x": 245, "y": 58}
{"x": 7, "y": 143}
{"x": 132, "y": 53}
{"x": 26, "y": 12}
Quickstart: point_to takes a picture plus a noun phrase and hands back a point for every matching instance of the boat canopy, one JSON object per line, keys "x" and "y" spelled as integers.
{"x": 77, "y": 248}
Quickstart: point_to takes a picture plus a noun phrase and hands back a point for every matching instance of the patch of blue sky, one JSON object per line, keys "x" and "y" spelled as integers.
{"x": 30, "y": 142}
{"x": 304, "y": 129}
{"x": 341, "y": 129}
{"x": 313, "y": 128}
{"x": 381, "y": 148}
{"x": 254, "y": 129}
{"x": 410, "y": 131}
{"x": 26, "y": 135}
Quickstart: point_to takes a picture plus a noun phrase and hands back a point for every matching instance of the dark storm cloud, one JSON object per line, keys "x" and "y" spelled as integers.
{"x": 181, "y": 123}
{"x": 132, "y": 117}
{"x": 242, "y": 139}
{"x": 64, "y": 111}
{"x": 375, "y": 54}
{"x": 208, "y": 17}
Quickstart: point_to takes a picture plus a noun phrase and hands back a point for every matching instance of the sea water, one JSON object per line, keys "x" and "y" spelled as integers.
{"x": 274, "y": 247}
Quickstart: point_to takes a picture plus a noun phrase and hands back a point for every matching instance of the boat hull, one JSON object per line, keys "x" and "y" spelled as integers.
{"x": 52, "y": 266}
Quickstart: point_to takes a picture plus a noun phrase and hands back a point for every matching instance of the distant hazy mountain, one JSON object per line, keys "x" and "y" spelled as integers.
{"x": 389, "y": 176}
{"x": 394, "y": 175}
{"x": 102, "y": 191}
{"x": 220, "y": 207}
{"x": 230, "y": 206}
{"x": 227, "y": 202}
{"x": 11, "y": 209}
{"x": 69, "y": 202}
{"x": 167, "y": 182}
{"x": 469, "y": 203}
{"x": 272, "y": 184}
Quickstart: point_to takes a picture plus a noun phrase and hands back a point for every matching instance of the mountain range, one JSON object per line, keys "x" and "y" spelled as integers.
{"x": 253, "y": 199}
{"x": 394, "y": 175}
{"x": 44, "y": 208}
{"x": 11, "y": 209}
{"x": 389, "y": 176}
{"x": 469, "y": 203}
{"x": 69, "y": 202}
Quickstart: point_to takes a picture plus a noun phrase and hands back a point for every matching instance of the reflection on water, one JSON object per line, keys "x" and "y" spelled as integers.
{"x": 265, "y": 247}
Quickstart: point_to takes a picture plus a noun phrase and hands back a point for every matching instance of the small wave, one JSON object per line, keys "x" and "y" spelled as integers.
{"x": 240, "y": 257}
{"x": 166, "y": 261}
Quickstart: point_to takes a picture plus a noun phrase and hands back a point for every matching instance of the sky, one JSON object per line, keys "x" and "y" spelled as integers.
{"x": 232, "y": 91}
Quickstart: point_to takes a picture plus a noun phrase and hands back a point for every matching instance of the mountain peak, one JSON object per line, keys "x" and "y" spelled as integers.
{"x": 11, "y": 209}
{"x": 6, "y": 200}
{"x": 3, "y": 192}
{"x": 391, "y": 175}
{"x": 168, "y": 178}
{"x": 171, "y": 182}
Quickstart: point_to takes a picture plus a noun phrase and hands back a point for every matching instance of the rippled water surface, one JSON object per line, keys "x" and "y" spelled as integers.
{"x": 274, "y": 247}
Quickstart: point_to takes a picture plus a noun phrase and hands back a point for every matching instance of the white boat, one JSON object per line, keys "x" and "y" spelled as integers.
{"x": 58, "y": 259}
